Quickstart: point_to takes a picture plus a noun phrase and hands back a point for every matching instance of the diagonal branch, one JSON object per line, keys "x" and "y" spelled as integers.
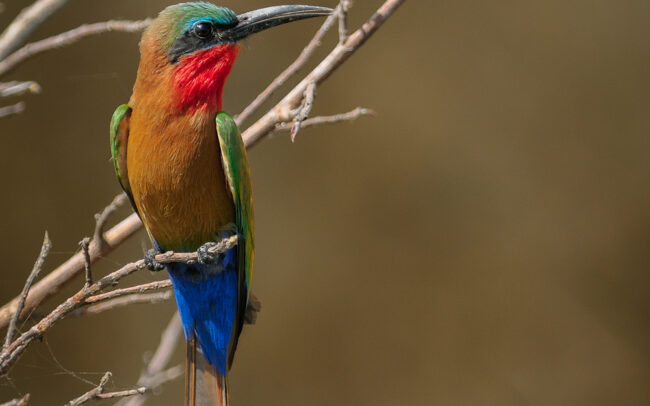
{"x": 28, "y": 20}
{"x": 15, "y": 88}
{"x": 12, "y": 109}
{"x": 45, "y": 249}
{"x": 125, "y": 300}
{"x": 282, "y": 110}
{"x": 17, "y": 402}
{"x": 11, "y": 354}
{"x": 291, "y": 69}
{"x": 52, "y": 283}
{"x": 157, "y": 285}
{"x": 8, "y": 62}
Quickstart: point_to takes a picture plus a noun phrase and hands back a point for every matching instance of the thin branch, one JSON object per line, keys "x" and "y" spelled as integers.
{"x": 11, "y": 354}
{"x": 304, "y": 109}
{"x": 282, "y": 110}
{"x": 52, "y": 283}
{"x": 320, "y": 120}
{"x": 153, "y": 374}
{"x": 27, "y": 21}
{"x": 122, "y": 394}
{"x": 342, "y": 10}
{"x": 38, "y": 265}
{"x": 146, "y": 298}
{"x": 290, "y": 70}
{"x": 98, "y": 392}
{"x": 17, "y": 402}
{"x": 157, "y": 285}
{"x": 15, "y": 88}
{"x": 102, "y": 218}
{"x": 66, "y": 38}
{"x": 91, "y": 394}
{"x": 84, "y": 248}
{"x": 12, "y": 109}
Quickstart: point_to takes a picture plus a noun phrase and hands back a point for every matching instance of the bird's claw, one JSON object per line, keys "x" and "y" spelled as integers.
{"x": 205, "y": 257}
{"x": 150, "y": 260}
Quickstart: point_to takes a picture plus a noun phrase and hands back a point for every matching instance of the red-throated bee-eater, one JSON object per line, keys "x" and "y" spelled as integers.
{"x": 183, "y": 164}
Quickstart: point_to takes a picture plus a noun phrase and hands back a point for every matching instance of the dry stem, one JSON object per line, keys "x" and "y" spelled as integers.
{"x": 52, "y": 283}
{"x": 38, "y": 265}
{"x": 9, "y": 62}
{"x": 12, "y": 109}
{"x": 11, "y": 354}
{"x": 28, "y": 20}
{"x": 17, "y": 402}
{"x": 333, "y": 119}
{"x": 281, "y": 111}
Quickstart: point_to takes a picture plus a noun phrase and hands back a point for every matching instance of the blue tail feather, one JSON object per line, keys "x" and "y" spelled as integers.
{"x": 206, "y": 296}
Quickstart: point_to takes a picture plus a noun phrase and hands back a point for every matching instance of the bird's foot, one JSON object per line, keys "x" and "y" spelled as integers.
{"x": 150, "y": 260}
{"x": 205, "y": 257}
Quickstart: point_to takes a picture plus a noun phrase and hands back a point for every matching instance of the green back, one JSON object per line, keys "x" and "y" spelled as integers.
{"x": 235, "y": 165}
{"x": 119, "y": 142}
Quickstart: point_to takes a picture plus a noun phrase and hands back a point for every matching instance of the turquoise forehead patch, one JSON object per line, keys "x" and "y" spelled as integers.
{"x": 184, "y": 15}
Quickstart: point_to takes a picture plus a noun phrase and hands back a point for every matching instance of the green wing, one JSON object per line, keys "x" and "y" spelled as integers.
{"x": 235, "y": 166}
{"x": 119, "y": 141}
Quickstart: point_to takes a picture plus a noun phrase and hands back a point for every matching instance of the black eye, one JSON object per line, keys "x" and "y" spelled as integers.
{"x": 203, "y": 29}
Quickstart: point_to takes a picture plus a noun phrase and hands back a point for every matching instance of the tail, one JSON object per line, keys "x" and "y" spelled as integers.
{"x": 204, "y": 385}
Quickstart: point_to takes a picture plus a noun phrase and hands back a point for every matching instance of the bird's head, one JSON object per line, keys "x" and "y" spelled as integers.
{"x": 195, "y": 44}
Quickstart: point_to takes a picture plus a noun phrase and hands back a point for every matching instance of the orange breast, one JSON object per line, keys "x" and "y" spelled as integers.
{"x": 177, "y": 180}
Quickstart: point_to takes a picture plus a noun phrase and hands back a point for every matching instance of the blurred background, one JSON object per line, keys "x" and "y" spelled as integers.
{"x": 482, "y": 241}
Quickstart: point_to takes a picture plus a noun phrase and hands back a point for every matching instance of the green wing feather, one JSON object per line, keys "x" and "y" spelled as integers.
{"x": 235, "y": 165}
{"x": 119, "y": 140}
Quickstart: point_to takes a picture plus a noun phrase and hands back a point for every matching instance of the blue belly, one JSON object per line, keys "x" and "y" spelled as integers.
{"x": 207, "y": 301}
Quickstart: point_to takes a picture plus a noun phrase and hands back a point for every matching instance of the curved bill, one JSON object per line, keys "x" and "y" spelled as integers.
{"x": 258, "y": 20}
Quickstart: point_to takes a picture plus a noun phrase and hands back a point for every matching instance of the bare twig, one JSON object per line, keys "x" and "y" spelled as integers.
{"x": 157, "y": 285}
{"x": 12, "y": 109}
{"x": 303, "y": 111}
{"x": 17, "y": 402}
{"x": 15, "y": 88}
{"x": 52, "y": 283}
{"x": 98, "y": 392}
{"x": 282, "y": 110}
{"x": 153, "y": 374}
{"x": 102, "y": 218}
{"x": 84, "y": 248}
{"x": 342, "y": 12}
{"x": 91, "y": 394}
{"x": 28, "y": 20}
{"x": 38, "y": 265}
{"x": 336, "y": 118}
{"x": 290, "y": 70}
{"x": 11, "y": 354}
{"x": 147, "y": 298}
{"x": 8, "y": 62}
{"x": 122, "y": 393}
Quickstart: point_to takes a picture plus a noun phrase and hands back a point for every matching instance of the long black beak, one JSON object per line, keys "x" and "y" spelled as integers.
{"x": 258, "y": 20}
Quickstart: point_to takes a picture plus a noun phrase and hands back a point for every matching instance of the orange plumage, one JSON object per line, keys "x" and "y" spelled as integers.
{"x": 174, "y": 160}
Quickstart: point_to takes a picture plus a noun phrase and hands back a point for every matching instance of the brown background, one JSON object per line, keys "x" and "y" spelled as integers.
{"x": 482, "y": 241}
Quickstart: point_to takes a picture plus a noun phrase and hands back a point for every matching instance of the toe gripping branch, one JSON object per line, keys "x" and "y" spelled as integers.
{"x": 150, "y": 260}
{"x": 206, "y": 257}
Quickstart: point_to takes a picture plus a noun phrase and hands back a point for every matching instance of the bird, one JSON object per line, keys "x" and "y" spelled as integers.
{"x": 182, "y": 163}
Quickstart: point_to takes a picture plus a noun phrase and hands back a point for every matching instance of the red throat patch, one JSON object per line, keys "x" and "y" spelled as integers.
{"x": 199, "y": 78}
